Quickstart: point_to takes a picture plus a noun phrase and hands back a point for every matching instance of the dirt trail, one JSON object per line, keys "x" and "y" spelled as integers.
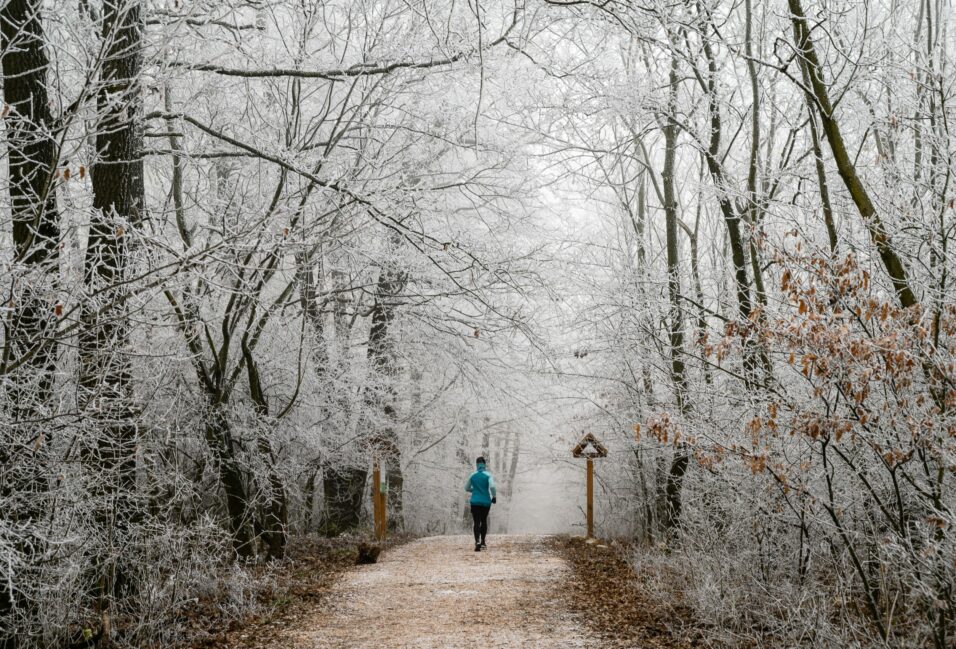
{"x": 439, "y": 593}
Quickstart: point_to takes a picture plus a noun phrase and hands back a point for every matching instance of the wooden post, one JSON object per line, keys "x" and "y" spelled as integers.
{"x": 382, "y": 509}
{"x": 590, "y": 498}
{"x": 589, "y": 447}
{"x": 378, "y": 502}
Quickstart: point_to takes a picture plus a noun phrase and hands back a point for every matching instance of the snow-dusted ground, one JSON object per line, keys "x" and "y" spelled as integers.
{"x": 438, "y": 593}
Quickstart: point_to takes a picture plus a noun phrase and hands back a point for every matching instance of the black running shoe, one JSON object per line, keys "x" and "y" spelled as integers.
{"x": 482, "y": 545}
{"x": 477, "y": 547}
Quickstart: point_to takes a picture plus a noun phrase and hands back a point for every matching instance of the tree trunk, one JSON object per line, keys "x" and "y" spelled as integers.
{"x": 753, "y": 200}
{"x": 32, "y": 154}
{"x": 217, "y": 431}
{"x": 105, "y": 373}
{"x": 309, "y": 491}
{"x": 675, "y": 474}
{"x": 220, "y": 440}
{"x": 275, "y": 518}
{"x": 754, "y": 355}
{"x": 343, "y": 484}
{"x": 381, "y": 396}
{"x": 513, "y": 465}
{"x": 824, "y": 189}
{"x": 29, "y": 355}
{"x": 861, "y": 198}
{"x": 695, "y": 278}
{"x": 731, "y": 217}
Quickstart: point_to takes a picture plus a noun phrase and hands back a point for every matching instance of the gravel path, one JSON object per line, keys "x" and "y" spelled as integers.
{"x": 439, "y": 593}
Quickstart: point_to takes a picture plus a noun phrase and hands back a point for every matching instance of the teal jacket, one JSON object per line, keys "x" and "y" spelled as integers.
{"x": 481, "y": 486}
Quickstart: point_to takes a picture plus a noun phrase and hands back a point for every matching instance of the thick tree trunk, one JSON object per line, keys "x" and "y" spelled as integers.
{"x": 220, "y": 440}
{"x": 275, "y": 518}
{"x": 32, "y": 152}
{"x": 28, "y": 358}
{"x": 105, "y": 373}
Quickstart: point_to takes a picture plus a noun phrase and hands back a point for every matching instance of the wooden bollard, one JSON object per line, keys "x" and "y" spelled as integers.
{"x": 378, "y": 502}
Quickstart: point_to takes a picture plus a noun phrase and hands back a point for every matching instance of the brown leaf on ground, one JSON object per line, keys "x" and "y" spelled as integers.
{"x": 608, "y": 594}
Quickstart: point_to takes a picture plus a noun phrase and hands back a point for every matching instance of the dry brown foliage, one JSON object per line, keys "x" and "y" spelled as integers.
{"x": 296, "y": 587}
{"x": 617, "y": 605}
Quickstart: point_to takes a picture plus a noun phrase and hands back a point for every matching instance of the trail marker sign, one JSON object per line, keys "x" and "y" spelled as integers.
{"x": 590, "y": 448}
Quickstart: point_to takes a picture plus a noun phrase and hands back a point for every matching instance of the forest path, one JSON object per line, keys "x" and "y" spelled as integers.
{"x": 438, "y": 592}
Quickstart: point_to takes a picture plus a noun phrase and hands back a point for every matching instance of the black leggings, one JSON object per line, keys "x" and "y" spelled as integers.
{"x": 480, "y": 514}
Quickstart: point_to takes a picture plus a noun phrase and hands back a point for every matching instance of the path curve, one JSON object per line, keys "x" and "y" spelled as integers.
{"x": 438, "y": 593}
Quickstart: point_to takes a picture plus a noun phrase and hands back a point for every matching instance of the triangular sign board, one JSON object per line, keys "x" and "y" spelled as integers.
{"x": 589, "y": 446}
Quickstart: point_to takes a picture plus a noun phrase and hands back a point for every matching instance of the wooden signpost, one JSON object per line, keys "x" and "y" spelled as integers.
{"x": 590, "y": 448}
{"x": 379, "y": 487}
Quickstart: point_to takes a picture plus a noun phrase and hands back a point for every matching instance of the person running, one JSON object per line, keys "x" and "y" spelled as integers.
{"x": 481, "y": 486}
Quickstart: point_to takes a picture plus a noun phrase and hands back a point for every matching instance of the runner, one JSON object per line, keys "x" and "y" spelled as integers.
{"x": 481, "y": 486}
